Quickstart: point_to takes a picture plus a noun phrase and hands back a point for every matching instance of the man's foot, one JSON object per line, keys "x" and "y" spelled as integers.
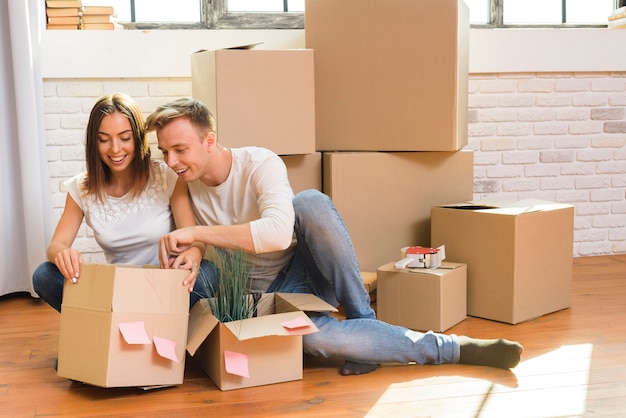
{"x": 350, "y": 368}
{"x": 500, "y": 353}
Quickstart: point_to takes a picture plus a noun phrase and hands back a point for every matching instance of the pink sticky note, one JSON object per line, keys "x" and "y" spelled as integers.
{"x": 298, "y": 322}
{"x": 236, "y": 363}
{"x": 165, "y": 348}
{"x": 134, "y": 333}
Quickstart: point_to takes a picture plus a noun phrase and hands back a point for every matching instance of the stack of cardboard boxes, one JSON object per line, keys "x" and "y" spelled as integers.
{"x": 391, "y": 85}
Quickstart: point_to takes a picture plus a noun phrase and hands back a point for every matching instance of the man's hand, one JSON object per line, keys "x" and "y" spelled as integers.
{"x": 174, "y": 244}
{"x": 188, "y": 260}
{"x": 177, "y": 250}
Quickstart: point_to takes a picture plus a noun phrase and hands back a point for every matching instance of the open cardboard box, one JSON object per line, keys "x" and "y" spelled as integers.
{"x": 124, "y": 326}
{"x": 256, "y": 351}
{"x": 518, "y": 255}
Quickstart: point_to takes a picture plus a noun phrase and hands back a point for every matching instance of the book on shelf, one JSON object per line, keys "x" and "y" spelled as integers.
{"x": 60, "y": 4}
{"x": 63, "y": 11}
{"x": 64, "y": 20}
{"x": 97, "y": 18}
{"x": 101, "y": 26}
{"x": 61, "y": 27}
{"x": 618, "y": 13}
{"x": 617, "y": 23}
{"x": 617, "y": 16}
{"x": 99, "y": 10}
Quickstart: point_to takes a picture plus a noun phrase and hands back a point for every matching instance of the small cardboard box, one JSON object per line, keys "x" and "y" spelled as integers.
{"x": 257, "y": 351}
{"x": 124, "y": 326}
{"x": 518, "y": 255}
{"x": 263, "y": 98}
{"x": 385, "y": 198}
{"x": 390, "y": 75}
{"x": 422, "y": 299}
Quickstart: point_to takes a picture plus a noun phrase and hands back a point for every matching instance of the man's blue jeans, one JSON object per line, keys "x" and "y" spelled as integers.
{"x": 325, "y": 265}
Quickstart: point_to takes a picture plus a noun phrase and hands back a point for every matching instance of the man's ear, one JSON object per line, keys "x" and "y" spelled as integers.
{"x": 211, "y": 139}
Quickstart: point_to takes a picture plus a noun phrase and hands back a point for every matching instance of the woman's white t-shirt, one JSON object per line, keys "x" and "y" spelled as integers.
{"x": 128, "y": 228}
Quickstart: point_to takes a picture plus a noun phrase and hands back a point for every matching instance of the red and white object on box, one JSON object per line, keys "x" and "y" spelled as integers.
{"x": 421, "y": 257}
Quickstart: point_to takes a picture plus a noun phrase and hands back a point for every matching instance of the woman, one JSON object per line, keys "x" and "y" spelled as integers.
{"x": 127, "y": 198}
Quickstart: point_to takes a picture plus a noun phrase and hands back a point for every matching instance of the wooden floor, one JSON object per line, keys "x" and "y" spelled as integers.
{"x": 574, "y": 365}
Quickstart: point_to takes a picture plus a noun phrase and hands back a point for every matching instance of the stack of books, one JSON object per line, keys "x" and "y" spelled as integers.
{"x": 617, "y": 19}
{"x": 99, "y": 17}
{"x": 72, "y": 15}
{"x": 63, "y": 14}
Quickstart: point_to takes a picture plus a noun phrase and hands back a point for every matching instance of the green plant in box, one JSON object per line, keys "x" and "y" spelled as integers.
{"x": 231, "y": 299}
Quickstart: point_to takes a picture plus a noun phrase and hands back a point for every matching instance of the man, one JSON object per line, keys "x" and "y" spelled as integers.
{"x": 242, "y": 200}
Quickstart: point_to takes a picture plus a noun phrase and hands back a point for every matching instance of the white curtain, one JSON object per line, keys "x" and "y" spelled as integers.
{"x": 25, "y": 209}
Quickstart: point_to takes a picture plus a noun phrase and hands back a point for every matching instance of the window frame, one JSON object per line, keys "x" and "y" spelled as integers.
{"x": 214, "y": 15}
{"x": 497, "y": 19}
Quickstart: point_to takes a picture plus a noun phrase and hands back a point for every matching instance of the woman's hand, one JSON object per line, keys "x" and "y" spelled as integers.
{"x": 68, "y": 262}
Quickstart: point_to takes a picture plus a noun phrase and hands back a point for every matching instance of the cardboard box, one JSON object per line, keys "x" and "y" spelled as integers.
{"x": 385, "y": 198}
{"x": 390, "y": 75}
{"x": 264, "y": 98}
{"x": 518, "y": 255}
{"x": 422, "y": 299}
{"x": 304, "y": 171}
{"x": 269, "y": 351}
{"x": 124, "y": 326}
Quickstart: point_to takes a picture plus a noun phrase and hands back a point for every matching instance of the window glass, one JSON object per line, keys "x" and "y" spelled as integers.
{"x": 479, "y": 11}
{"x": 532, "y": 12}
{"x": 162, "y": 11}
{"x": 585, "y": 11}
{"x": 265, "y": 5}
{"x": 549, "y": 12}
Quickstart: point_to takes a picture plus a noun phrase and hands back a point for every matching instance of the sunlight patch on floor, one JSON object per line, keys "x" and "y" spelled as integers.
{"x": 550, "y": 385}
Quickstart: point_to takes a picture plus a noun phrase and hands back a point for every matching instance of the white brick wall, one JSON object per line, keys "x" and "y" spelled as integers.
{"x": 560, "y": 137}
{"x": 556, "y": 136}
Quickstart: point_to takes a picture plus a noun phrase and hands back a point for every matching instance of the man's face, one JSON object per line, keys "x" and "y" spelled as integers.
{"x": 184, "y": 150}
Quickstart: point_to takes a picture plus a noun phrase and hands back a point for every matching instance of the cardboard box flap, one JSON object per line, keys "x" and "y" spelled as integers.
{"x": 507, "y": 207}
{"x": 145, "y": 291}
{"x": 289, "y": 302}
{"x": 94, "y": 295}
{"x": 201, "y": 323}
{"x": 440, "y": 271}
{"x": 244, "y": 46}
{"x": 272, "y": 325}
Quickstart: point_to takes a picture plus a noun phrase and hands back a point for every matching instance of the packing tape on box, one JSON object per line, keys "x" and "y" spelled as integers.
{"x": 421, "y": 257}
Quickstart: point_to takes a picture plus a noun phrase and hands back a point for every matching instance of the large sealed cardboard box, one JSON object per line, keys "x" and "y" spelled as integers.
{"x": 390, "y": 75}
{"x": 518, "y": 255}
{"x": 385, "y": 197}
{"x": 264, "y": 98}
{"x": 256, "y": 351}
{"x": 124, "y": 326}
{"x": 304, "y": 171}
{"x": 422, "y": 299}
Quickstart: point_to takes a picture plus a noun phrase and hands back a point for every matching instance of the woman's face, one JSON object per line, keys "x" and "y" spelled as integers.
{"x": 116, "y": 144}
